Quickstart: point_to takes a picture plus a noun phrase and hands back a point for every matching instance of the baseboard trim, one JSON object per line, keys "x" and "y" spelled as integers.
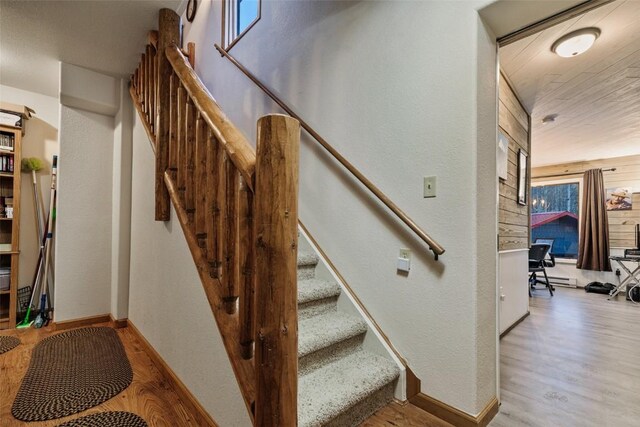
{"x": 202, "y": 416}
{"x": 83, "y": 321}
{"x": 516, "y": 323}
{"x": 118, "y": 323}
{"x": 453, "y": 415}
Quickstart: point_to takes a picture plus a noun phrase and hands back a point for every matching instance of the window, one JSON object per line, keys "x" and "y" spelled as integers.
{"x": 239, "y": 16}
{"x": 555, "y": 214}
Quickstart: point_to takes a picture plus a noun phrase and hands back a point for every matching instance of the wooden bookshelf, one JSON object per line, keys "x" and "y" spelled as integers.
{"x": 10, "y": 227}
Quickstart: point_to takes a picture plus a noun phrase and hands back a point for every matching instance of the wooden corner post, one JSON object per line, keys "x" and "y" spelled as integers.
{"x": 168, "y": 34}
{"x": 276, "y": 222}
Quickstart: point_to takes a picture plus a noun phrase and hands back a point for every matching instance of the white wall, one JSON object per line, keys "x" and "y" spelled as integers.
{"x": 83, "y": 228}
{"x": 40, "y": 140}
{"x": 121, "y": 209}
{"x": 514, "y": 288}
{"x": 167, "y": 303}
{"x": 403, "y": 90}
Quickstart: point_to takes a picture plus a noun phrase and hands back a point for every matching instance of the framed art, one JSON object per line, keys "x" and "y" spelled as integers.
{"x": 522, "y": 177}
{"x": 503, "y": 156}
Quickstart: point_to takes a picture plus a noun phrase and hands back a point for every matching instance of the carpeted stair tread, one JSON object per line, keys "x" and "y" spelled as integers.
{"x": 327, "y": 392}
{"x": 316, "y": 289}
{"x": 307, "y": 259}
{"x": 325, "y": 330}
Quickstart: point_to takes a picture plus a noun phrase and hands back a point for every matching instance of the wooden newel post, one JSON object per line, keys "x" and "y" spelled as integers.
{"x": 168, "y": 34}
{"x": 276, "y": 222}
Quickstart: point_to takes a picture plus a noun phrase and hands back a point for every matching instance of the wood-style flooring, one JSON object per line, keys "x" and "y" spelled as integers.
{"x": 575, "y": 361}
{"x": 396, "y": 415}
{"x": 149, "y": 396}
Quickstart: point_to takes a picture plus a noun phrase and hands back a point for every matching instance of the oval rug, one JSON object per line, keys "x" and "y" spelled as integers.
{"x": 107, "y": 419}
{"x": 71, "y": 372}
{"x": 8, "y": 343}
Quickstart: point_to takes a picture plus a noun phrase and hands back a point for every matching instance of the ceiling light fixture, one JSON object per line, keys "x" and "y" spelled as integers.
{"x": 549, "y": 119}
{"x": 576, "y": 42}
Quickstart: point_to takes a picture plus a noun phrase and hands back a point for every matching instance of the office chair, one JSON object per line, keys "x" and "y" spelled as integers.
{"x": 537, "y": 264}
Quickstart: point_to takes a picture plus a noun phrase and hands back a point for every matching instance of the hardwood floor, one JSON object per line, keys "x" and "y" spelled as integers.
{"x": 149, "y": 396}
{"x": 408, "y": 415}
{"x": 575, "y": 361}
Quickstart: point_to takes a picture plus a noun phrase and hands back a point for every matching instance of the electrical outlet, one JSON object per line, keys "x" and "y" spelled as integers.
{"x": 405, "y": 254}
{"x": 429, "y": 186}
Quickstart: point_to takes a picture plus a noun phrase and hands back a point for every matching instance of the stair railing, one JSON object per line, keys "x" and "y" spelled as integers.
{"x": 238, "y": 210}
{"x": 432, "y": 243}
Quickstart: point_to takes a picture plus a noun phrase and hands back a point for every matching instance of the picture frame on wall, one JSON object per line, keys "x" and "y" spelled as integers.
{"x": 503, "y": 156}
{"x": 522, "y": 177}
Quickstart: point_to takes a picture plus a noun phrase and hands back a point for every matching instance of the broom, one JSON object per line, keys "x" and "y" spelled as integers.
{"x": 33, "y": 165}
{"x": 42, "y": 316}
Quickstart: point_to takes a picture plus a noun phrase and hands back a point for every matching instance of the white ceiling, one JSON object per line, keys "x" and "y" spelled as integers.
{"x": 596, "y": 95}
{"x": 105, "y": 36}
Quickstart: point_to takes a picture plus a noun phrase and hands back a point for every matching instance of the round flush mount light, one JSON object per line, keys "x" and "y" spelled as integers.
{"x": 576, "y": 42}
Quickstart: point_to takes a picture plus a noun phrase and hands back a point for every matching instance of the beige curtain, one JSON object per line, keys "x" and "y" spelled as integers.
{"x": 593, "y": 251}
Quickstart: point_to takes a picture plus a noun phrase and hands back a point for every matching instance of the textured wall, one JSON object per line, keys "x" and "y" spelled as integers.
{"x": 83, "y": 228}
{"x": 167, "y": 303}
{"x": 403, "y": 90}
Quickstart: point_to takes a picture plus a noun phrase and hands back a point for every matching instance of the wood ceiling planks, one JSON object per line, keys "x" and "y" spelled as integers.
{"x": 596, "y": 95}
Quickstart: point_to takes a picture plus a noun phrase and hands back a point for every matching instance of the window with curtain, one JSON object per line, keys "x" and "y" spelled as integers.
{"x": 555, "y": 214}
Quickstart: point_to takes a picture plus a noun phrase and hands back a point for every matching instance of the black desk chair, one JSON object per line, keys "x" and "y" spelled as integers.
{"x": 537, "y": 264}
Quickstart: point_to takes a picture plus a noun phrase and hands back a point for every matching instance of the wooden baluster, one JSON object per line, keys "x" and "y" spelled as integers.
{"x": 231, "y": 272}
{"x": 247, "y": 269}
{"x": 213, "y": 146}
{"x": 147, "y": 84}
{"x": 190, "y": 155}
{"x": 201, "y": 182}
{"x": 276, "y": 218}
{"x": 181, "y": 106}
{"x": 140, "y": 80}
{"x": 144, "y": 83}
{"x": 184, "y": 160}
{"x": 219, "y": 212}
{"x": 172, "y": 161}
{"x": 152, "y": 90}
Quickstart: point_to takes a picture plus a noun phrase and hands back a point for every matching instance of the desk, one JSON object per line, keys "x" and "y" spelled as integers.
{"x": 632, "y": 276}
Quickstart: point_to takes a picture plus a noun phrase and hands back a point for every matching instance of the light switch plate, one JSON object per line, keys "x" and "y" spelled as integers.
{"x": 429, "y": 186}
{"x": 405, "y": 253}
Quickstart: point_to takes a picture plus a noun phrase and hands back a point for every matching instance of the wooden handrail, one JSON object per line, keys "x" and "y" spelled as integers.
{"x": 238, "y": 148}
{"x": 433, "y": 245}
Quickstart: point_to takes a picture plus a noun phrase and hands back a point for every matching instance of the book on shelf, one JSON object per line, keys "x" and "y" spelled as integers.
{"x": 6, "y": 142}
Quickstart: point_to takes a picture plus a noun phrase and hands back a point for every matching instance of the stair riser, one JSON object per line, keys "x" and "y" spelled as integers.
{"x": 306, "y": 272}
{"x": 330, "y": 354}
{"x": 317, "y": 307}
{"x": 362, "y": 410}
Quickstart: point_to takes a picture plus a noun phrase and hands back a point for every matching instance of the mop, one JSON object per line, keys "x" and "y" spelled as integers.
{"x": 33, "y": 165}
{"x": 42, "y": 316}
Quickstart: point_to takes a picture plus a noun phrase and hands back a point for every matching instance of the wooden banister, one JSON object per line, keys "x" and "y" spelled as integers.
{"x": 235, "y": 144}
{"x": 238, "y": 212}
{"x": 433, "y": 244}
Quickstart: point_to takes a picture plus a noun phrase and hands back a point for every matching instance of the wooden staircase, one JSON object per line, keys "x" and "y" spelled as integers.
{"x": 238, "y": 210}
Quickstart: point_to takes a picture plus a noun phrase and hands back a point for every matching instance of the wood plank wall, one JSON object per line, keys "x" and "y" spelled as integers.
{"x": 514, "y": 123}
{"x": 627, "y": 174}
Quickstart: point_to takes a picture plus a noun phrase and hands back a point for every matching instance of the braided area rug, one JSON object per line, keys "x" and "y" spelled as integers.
{"x": 8, "y": 343}
{"x": 71, "y": 372}
{"x": 107, "y": 419}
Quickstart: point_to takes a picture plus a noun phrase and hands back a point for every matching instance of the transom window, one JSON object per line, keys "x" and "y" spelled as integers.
{"x": 238, "y": 17}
